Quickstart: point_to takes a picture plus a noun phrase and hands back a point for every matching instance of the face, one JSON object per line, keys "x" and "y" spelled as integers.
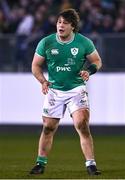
{"x": 64, "y": 28}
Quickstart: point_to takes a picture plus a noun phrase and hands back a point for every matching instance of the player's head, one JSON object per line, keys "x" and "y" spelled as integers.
{"x": 71, "y": 16}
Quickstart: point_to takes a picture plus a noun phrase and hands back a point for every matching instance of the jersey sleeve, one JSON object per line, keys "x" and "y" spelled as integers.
{"x": 40, "y": 49}
{"x": 89, "y": 47}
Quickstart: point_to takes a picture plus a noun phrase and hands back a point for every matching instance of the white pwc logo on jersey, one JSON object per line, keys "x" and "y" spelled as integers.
{"x": 60, "y": 68}
{"x": 74, "y": 51}
{"x": 54, "y": 51}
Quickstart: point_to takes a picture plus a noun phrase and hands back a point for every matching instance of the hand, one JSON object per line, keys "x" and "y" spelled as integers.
{"x": 45, "y": 87}
{"x": 84, "y": 75}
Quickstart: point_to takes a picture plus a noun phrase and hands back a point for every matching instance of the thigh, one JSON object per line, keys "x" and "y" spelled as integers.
{"x": 79, "y": 101}
{"x": 53, "y": 106}
{"x": 81, "y": 115}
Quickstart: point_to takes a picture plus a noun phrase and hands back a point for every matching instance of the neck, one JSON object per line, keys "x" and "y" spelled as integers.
{"x": 67, "y": 38}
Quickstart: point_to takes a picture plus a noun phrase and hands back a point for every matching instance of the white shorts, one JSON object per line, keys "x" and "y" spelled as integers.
{"x": 57, "y": 101}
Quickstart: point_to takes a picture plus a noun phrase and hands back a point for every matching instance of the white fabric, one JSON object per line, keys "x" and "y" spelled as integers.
{"x": 57, "y": 101}
{"x": 90, "y": 162}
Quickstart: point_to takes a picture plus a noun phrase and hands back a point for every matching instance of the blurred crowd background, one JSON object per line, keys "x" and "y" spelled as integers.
{"x": 24, "y": 22}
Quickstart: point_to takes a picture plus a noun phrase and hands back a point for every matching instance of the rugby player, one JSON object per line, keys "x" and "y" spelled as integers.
{"x": 65, "y": 53}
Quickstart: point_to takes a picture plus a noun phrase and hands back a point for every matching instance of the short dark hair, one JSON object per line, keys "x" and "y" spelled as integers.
{"x": 72, "y": 17}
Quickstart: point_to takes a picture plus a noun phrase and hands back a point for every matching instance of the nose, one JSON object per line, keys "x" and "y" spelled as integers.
{"x": 61, "y": 24}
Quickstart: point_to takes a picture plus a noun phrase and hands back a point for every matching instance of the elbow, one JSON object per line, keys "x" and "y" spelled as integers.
{"x": 100, "y": 64}
{"x": 33, "y": 68}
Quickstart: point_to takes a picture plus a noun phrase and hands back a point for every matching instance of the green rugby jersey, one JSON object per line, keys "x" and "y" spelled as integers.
{"x": 65, "y": 60}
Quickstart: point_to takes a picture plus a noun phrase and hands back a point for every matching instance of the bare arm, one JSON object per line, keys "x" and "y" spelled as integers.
{"x": 38, "y": 73}
{"x": 94, "y": 58}
{"x": 95, "y": 62}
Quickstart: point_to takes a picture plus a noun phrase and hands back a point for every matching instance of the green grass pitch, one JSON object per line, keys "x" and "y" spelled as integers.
{"x": 18, "y": 153}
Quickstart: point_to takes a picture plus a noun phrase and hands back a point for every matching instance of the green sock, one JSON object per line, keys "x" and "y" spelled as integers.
{"x": 42, "y": 160}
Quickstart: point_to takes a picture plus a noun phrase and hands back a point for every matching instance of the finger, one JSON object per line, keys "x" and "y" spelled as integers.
{"x": 81, "y": 73}
{"x": 86, "y": 78}
{"x": 45, "y": 90}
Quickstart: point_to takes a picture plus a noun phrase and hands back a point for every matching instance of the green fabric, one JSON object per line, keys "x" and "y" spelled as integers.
{"x": 65, "y": 60}
{"x": 42, "y": 160}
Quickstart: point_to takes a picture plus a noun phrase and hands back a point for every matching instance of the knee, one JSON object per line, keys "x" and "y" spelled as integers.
{"x": 47, "y": 130}
{"x": 81, "y": 125}
{"x": 81, "y": 121}
{"x": 82, "y": 128}
{"x": 49, "y": 126}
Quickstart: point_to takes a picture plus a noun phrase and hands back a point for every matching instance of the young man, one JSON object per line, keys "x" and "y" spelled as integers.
{"x": 65, "y": 53}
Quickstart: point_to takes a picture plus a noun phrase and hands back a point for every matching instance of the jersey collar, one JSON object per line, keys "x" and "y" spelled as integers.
{"x": 66, "y": 42}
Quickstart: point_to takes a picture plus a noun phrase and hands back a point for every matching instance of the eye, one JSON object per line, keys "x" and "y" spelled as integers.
{"x": 59, "y": 22}
{"x": 66, "y": 22}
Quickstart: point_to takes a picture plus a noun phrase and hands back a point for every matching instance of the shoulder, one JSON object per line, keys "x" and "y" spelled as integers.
{"x": 47, "y": 40}
{"x": 43, "y": 44}
{"x": 86, "y": 42}
{"x": 83, "y": 38}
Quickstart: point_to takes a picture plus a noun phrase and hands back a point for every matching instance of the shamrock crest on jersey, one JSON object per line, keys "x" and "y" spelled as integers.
{"x": 74, "y": 51}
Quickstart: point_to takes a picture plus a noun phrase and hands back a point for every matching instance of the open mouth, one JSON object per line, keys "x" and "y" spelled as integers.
{"x": 61, "y": 30}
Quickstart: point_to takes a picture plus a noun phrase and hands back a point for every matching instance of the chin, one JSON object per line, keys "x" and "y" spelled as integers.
{"x": 61, "y": 35}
